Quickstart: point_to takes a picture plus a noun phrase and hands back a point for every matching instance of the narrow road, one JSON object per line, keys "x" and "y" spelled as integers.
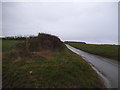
{"x": 106, "y": 68}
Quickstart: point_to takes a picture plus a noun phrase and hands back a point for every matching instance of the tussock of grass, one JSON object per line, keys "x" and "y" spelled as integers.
{"x": 109, "y": 51}
{"x": 64, "y": 69}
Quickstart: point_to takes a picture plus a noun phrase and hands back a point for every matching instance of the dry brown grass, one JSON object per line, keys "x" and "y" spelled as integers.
{"x": 44, "y": 54}
{"x": 17, "y": 60}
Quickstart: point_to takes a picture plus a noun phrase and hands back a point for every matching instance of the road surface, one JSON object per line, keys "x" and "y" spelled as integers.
{"x": 106, "y": 68}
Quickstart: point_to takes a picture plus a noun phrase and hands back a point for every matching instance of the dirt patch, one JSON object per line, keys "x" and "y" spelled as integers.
{"x": 44, "y": 54}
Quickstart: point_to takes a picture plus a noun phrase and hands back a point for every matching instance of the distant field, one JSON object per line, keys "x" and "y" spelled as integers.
{"x": 109, "y": 51}
{"x": 63, "y": 69}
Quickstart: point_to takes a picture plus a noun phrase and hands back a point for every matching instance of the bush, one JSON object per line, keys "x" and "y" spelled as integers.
{"x": 40, "y": 43}
{"x": 44, "y": 42}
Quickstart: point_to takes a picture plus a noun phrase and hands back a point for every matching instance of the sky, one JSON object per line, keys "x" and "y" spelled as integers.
{"x": 91, "y": 22}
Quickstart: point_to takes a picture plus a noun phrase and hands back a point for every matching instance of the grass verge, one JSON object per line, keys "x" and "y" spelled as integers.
{"x": 109, "y": 51}
{"x": 64, "y": 69}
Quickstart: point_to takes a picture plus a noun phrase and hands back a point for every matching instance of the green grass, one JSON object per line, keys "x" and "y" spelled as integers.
{"x": 63, "y": 70}
{"x": 109, "y": 51}
{"x": 8, "y": 45}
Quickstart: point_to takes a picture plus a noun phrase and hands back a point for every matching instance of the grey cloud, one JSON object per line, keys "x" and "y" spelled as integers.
{"x": 90, "y": 22}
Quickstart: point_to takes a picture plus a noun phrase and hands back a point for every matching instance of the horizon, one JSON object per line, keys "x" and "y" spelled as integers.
{"x": 65, "y": 40}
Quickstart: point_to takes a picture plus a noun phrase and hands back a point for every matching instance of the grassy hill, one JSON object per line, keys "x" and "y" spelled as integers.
{"x": 49, "y": 69}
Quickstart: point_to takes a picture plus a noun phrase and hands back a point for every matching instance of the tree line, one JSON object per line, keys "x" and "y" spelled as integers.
{"x": 16, "y": 37}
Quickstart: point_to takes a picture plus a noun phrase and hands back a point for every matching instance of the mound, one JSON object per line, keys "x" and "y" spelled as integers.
{"x": 40, "y": 43}
{"x": 44, "y": 42}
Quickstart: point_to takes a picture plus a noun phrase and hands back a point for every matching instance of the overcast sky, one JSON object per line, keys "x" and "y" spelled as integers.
{"x": 92, "y": 22}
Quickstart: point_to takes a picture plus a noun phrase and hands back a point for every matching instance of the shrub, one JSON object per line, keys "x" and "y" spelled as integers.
{"x": 40, "y": 43}
{"x": 44, "y": 42}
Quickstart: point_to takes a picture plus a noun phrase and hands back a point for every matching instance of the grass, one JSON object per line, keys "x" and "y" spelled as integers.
{"x": 63, "y": 69}
{"x": 8, "y": 45}
{"x": 109, "y": 51}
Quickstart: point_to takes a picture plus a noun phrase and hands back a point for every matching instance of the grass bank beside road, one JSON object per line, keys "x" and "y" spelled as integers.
{"x": 109, "y": 51}
{"x": 63, "y": 69}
